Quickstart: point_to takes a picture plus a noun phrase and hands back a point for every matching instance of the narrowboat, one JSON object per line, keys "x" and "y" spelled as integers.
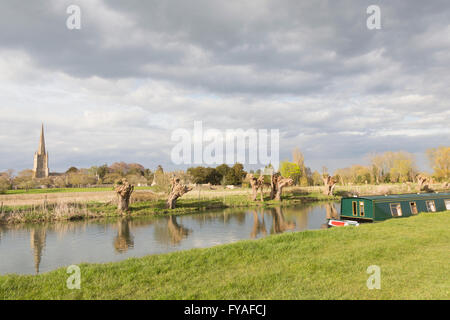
{"x": 382, "y": 207}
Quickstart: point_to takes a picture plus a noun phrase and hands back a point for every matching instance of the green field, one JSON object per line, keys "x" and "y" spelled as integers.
{"x": 58, "y": 190}
{"x": 413, "y": 254}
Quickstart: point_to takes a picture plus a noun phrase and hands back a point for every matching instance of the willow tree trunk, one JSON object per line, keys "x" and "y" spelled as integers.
{"x": 256, "y": 184}
{"x": 424, "y": 183}
{"x": 283, "y": 182}
{"x": 330, "y": 183}
{"x": 176, "y": 192}
{"x": 274, "y": 185}
{"x": 124, "y": 190}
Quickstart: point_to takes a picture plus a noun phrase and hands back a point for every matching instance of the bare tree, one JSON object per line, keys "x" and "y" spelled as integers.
{"x": 177, "y": 190}
{"x": 256, "y": 184}
{"x": 330, "y": 183}
{"x": 424, "y": 183}
{"x": 124, "y": 190}
{"x": 277, "y": 185}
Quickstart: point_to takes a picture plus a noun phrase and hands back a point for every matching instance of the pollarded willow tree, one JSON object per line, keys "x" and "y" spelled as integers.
{"x": 277, "y": 183}
{"x": 256, "y": 184}
{"x": 177, "y": 190}
{"x": 424, "y": 183}
{"x": 124, "y": 190}
{"x": 330, "y": 184}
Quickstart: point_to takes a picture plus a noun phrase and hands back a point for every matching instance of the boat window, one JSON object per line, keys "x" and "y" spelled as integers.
{"x": 413, "y": 207}
{"x": 447, "y": 204}
{"x": 354, "y": 207}
{"x": 431, "y": 207}
{"x": 396, "y": 209}
{"x": 361, "y": 208}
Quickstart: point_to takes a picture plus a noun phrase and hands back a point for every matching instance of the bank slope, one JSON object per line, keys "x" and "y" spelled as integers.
{"x": 413, "y": 254}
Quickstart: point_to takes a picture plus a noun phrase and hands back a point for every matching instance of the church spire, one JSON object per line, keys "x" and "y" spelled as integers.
{"x": 41, "y": 149}
{"x": 40, "y": 167}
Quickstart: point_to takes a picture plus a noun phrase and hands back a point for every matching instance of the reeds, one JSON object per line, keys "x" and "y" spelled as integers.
{"x": 46, "y": 212}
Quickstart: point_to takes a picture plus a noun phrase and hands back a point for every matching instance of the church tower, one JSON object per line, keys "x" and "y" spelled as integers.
{"x": 40, "y": 168}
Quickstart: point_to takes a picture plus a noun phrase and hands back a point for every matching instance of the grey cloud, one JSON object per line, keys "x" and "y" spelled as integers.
{"x": 138, "y": 69}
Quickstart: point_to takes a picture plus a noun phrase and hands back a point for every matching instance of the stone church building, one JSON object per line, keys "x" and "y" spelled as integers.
{"x": 40, "y": 167}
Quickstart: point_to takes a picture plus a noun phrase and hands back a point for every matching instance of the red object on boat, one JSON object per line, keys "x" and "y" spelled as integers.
{"x": 342, "y": 223}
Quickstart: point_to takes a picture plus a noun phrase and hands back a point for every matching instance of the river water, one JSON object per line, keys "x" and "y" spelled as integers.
{"x": 38, "y": 248}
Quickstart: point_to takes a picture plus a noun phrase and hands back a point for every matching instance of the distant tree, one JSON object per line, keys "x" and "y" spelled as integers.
{"x": 291, "y": 170}
{"x": 102, "y": 171}
{"x": 72, "y": 170}
{"x": 299, "y": 159}
{"x": 99, "y": 172}
{"x": 24, "y": 180}
{"x": 81, "y": 179}
{"x": 316, "y": 178}
{"x": 136, "y": 168}
{"x": 60, "y": 182}
{"x": 5, "y": 184}
{"x": 205, "y": 175}
{"x": 119, "y": 167}
{"x": 223, "y": 169}
{"x": 403, "y": 167}
{"x": 440, "y": 162}
{"x": 392, "y": 167}
{"x": 47, "y": 182}
{"x": 236, "y": 175}
{"x": 111, "y": 178}
{"x": 136, "y": 179}
{"x": 402, "y": 170}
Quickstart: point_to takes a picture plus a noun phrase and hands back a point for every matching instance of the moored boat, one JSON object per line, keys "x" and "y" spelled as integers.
{"x": 382, "y": 207}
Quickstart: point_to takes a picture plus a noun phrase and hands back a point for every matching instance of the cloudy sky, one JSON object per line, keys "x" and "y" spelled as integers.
{"x": 136, "y": 70}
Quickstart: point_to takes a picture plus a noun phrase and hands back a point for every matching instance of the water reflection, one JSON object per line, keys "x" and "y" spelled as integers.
{"x": 65, "y": 243}
{"x": 38, "y": 236}
{"x": 124, "y": 239}
{"x": 177, "y": 232}
{"x": 279, "y": 223}
{"x": 332, "y": 213}
{"x": 259, "y": 226}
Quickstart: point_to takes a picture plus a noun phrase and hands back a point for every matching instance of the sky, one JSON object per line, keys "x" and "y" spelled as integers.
{"x": 117, "y": 88}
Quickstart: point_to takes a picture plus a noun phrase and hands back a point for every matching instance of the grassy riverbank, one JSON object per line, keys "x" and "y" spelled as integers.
{"x": 413, "y": 254}
{"x": 144, "y": 206}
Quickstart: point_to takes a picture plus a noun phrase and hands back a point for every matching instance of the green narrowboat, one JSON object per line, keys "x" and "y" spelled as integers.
{"x": 379, "y": 208}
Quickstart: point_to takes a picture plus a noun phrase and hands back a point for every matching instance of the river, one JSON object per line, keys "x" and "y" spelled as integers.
{"x": 37, "y": 248}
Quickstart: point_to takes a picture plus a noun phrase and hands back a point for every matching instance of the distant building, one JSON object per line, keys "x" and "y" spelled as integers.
{"x": 40, "y": 167}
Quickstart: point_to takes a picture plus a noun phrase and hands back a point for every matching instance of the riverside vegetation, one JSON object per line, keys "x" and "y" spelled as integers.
{"x": 58, "y": 205}
{"x": 149, "y": 203}
{"x": 320, "y": 264}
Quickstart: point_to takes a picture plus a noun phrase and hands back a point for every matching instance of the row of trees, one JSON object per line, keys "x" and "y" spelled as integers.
{"x": 96, "y": 175}
{"x": 387, "y": 167}
{"x": 221, "y": 175}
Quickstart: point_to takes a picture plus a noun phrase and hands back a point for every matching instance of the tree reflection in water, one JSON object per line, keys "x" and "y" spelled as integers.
{"x": 177, "y": 232}
{"x": 332, "y": 213}
{"x": 279, "y": 223}
{"x": 154, "y": 234}
{"x": 259, "y": 226}
{"x": 124, "y": 239}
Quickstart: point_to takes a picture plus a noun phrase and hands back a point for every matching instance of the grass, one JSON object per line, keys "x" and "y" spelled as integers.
{"x": 413, "y": 254}
{"x": 59, "y": 190}
{"x": 143, "y": 206}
